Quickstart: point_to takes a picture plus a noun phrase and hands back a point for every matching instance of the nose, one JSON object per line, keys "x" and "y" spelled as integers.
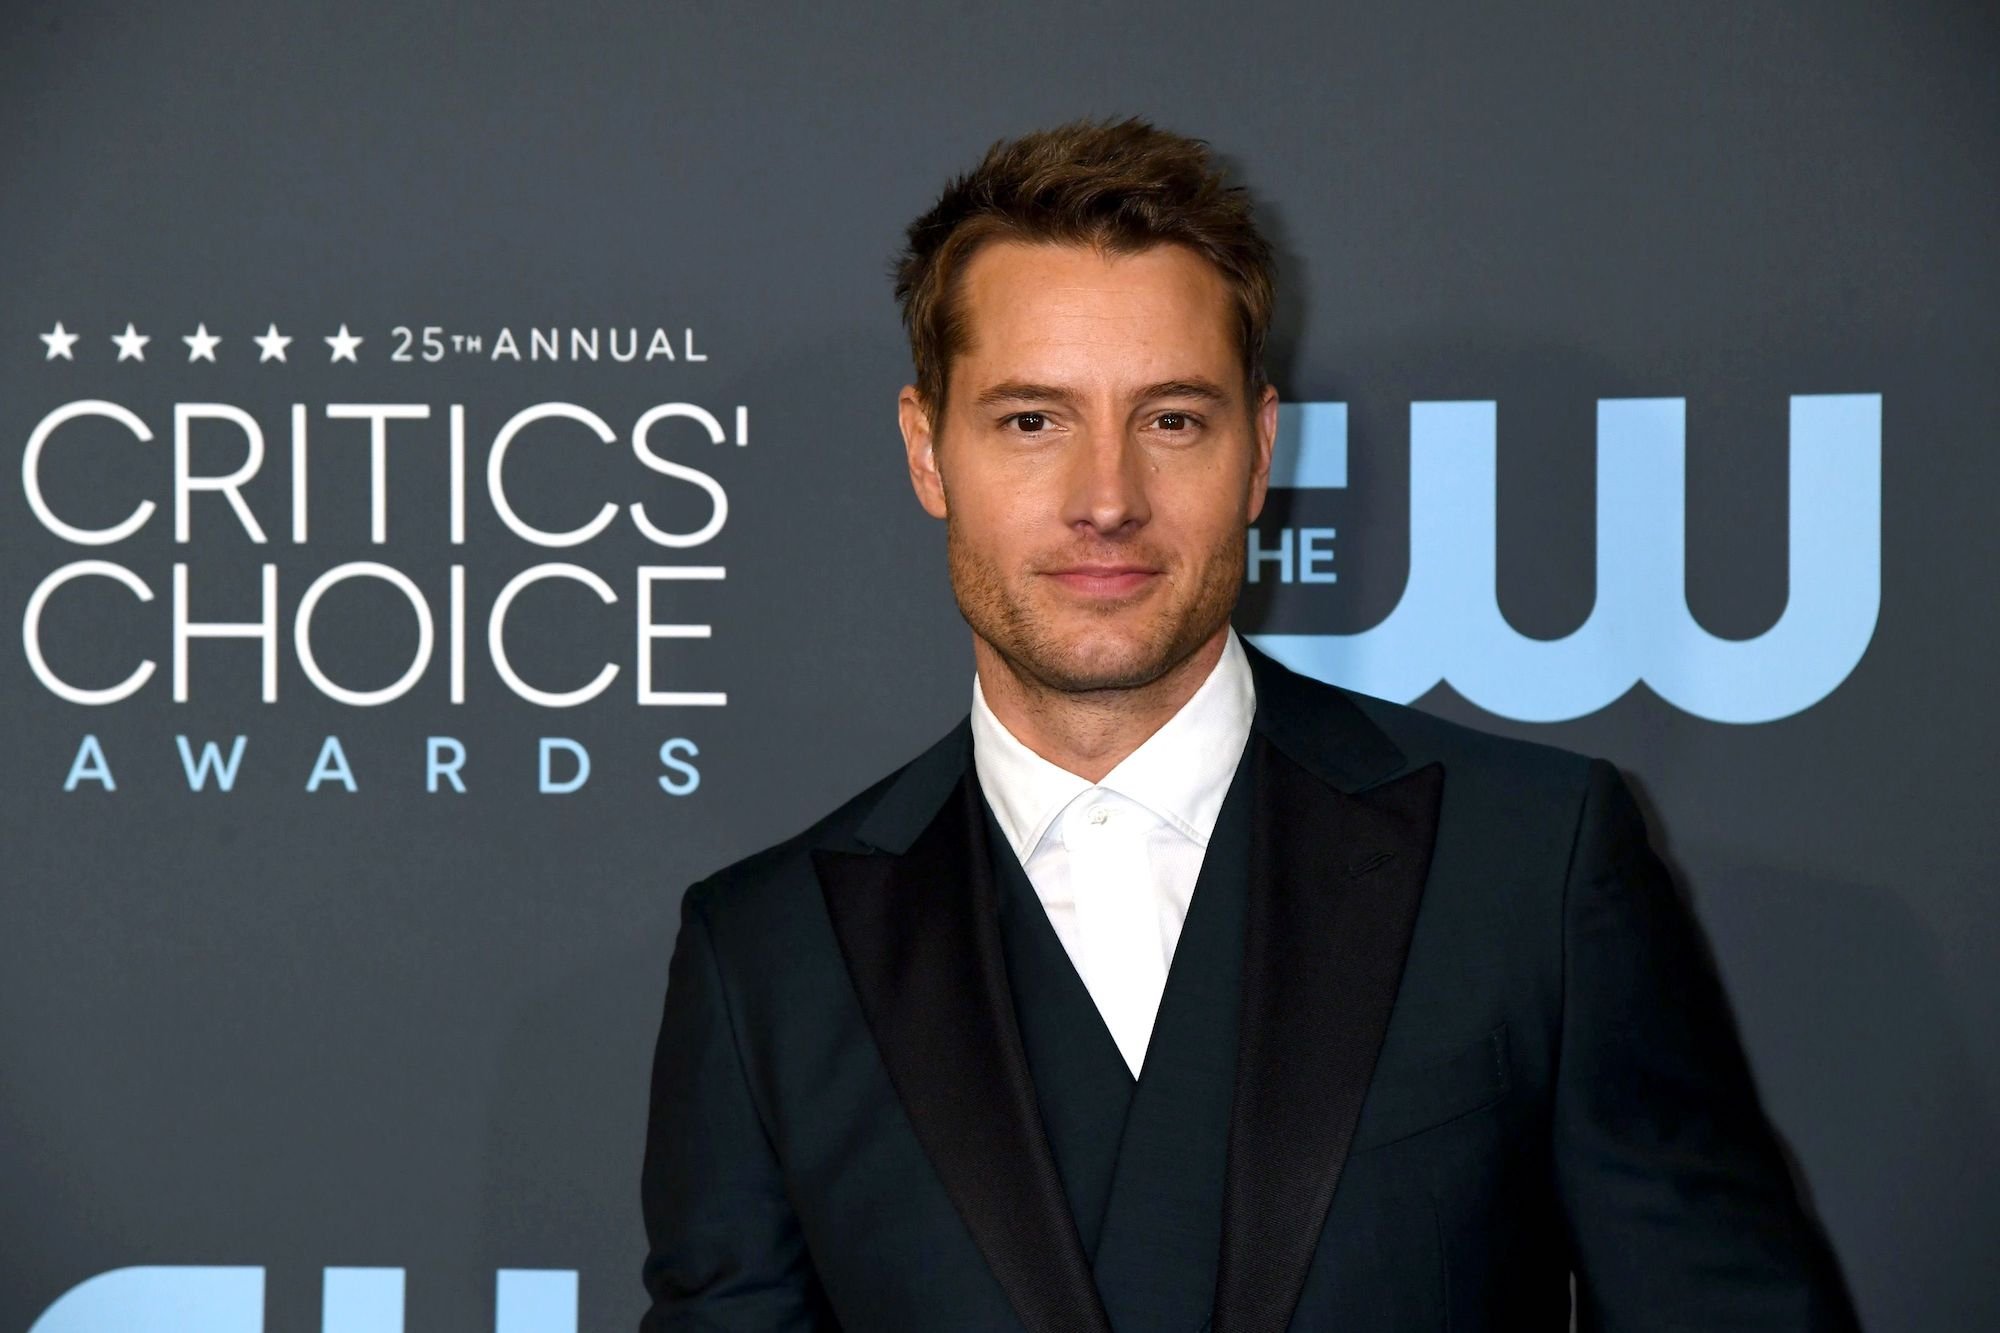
{"x": 1106, "y": 490}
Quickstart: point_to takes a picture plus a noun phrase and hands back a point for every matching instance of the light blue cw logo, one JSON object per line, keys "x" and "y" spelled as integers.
{"x": 1448, "y": 625}
{"x": 194, "y": 1299}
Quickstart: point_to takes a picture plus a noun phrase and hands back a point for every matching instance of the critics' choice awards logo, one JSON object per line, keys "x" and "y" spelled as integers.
{"x": 679, "y": 441}
{"x": 1448, "y": 626}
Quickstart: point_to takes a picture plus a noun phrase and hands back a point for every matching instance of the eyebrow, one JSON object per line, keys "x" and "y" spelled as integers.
{"x": 1016, "y": 391}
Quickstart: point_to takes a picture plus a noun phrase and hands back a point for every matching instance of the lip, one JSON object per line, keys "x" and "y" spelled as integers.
{"x": 1103, "y": 580}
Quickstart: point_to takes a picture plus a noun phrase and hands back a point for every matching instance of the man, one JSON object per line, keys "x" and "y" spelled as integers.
{"x": 1172, "y": 990}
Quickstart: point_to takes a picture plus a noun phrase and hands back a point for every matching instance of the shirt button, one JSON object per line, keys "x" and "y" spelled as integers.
{"x": 1098, "y": 814}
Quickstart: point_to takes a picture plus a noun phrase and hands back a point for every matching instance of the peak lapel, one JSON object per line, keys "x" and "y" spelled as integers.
{"x": 1335, "y": 881}
{"x": 920, "y": 933}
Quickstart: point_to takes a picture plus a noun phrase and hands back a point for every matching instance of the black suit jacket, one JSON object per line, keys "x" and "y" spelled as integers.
{"x": 1438, "y": 1034}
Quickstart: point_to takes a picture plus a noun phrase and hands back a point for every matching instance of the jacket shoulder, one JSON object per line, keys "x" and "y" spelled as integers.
{"x": 783, "y": 859}
{"x": 779, "y": 871}
{"x": 1362, "y": 739}
{"x": 1480, "y": 758}
{"x": 1521, "y": 808}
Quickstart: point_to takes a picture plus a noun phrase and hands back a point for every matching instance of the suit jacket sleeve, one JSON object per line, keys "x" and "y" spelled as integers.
{"x": 725, "y": 1249}
{"x": 1680, "y": 1207}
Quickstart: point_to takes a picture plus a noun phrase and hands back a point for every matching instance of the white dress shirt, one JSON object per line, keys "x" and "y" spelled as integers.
{"x": 1114, "y": 862}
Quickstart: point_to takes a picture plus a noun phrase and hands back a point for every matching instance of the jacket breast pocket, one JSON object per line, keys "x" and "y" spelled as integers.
{"x": 1413, "y": 1095}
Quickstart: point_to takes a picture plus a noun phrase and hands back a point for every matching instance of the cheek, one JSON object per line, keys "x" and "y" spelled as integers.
{"x": 1210, "y": 512}
{"x": 991, "y": 526}
{"x": 996, "y": 505}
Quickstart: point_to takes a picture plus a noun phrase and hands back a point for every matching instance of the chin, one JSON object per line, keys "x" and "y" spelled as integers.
{"x": 1097, "y": 657}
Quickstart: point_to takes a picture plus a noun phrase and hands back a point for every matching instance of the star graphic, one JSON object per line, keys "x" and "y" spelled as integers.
{"x": 273, "y": 343}
{"x": 201, "y": 343}
{"x": 131, "y": 343}
{"x": 343, "y": 345}
{"x": 59, "y": 343}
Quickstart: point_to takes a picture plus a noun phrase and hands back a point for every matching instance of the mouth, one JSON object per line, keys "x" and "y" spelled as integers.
{"x": 1104, "y": 581}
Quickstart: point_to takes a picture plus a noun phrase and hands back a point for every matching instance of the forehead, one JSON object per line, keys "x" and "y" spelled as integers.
{"x": 1059, "y": 313}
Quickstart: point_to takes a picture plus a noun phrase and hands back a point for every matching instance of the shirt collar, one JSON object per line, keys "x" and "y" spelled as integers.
{"x": 1181, "y": 772}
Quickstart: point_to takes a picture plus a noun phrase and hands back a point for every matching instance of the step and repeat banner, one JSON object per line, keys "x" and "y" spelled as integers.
{"x": 455, "y": 502}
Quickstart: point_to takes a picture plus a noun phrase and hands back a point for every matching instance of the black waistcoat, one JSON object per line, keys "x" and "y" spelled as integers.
{"x": 1142, "y": 1163}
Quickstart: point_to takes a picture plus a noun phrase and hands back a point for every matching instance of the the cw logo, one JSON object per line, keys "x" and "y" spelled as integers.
{"x": 1448, "y": 625}
{"x": 194, "y": 1299}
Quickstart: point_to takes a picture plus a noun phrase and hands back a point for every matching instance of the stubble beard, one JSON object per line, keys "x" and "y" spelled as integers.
{"x": 1138, "y": 647}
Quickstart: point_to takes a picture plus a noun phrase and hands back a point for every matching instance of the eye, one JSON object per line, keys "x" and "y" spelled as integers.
{"x": 1174, "y": 421}
{"x": 1028, "y": 423}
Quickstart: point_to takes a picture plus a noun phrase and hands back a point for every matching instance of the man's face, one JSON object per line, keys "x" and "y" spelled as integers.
{"x": 1095, "y": 460}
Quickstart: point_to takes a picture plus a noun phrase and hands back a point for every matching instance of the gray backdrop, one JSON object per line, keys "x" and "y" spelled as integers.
{"x": 386, "y": 1027}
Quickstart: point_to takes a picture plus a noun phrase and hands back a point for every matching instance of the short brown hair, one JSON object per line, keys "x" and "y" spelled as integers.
{"x": 1122, "y": 187}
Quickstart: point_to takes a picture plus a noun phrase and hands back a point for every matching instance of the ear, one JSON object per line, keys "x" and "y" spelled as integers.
{"x": 1264, "y": 423}
{"x": 920, "y": 446}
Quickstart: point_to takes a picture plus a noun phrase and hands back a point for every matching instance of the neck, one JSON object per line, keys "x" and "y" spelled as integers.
{"x": 1088, "y": 732}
